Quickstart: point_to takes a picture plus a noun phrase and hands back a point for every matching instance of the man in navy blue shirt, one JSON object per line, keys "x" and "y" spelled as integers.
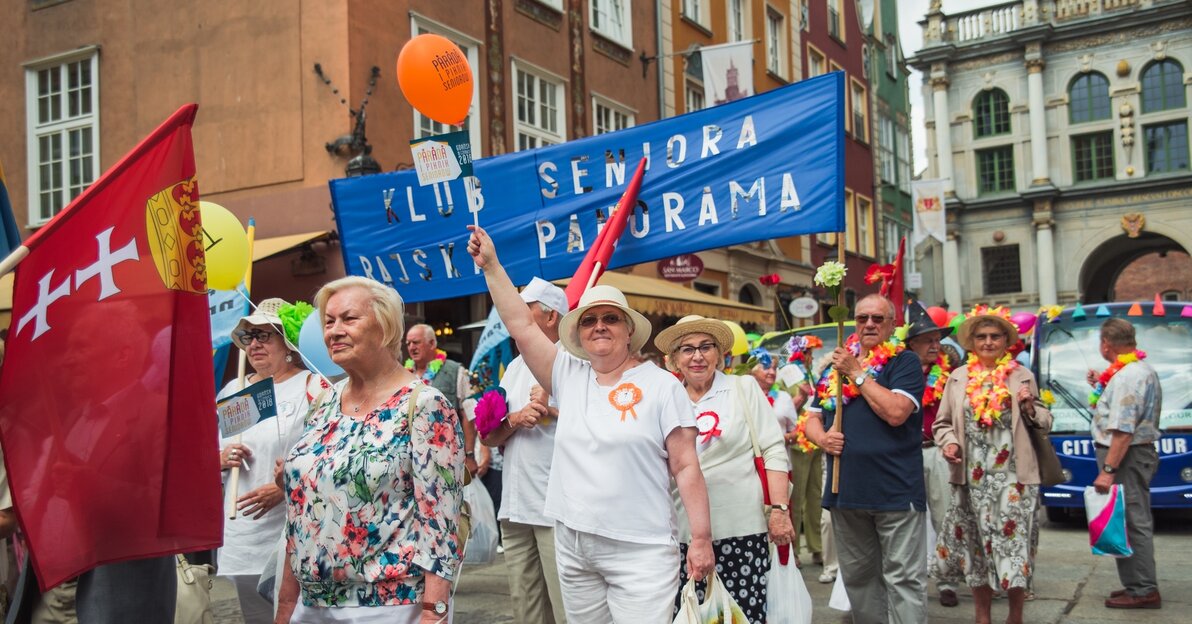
{"x": 879, "y": 509}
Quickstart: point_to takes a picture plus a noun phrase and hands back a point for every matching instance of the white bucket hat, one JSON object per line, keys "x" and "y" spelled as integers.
{"x": 602, "y": 296}
{"x": 546, "y": 293}
{"x": 265, "y": 314}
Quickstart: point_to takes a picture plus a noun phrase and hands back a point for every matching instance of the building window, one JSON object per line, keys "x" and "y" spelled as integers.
{"x": 885, "y": 149}
{"x": 1000, "y": 270}
{"x": 749, "y": 295}
{"x": 775, "y": 43}
{"x": 836, "y": 19}
{"x": 891, "y": 56}
{"x": 1172, "y": 295}
{"x": 554, "y": 4}
{"x": 1162, "y": 86}
{"x": 865, "y": 233}
{"x": 708, "y": 288}
{"x": 540, "y": 118}
{"x": 737, "y": 20}
{"x": 694, "y": 97}
{"x": 1093, "y": 156}
{"x": 1088, "y": 98}
{"x": 608, "y": 116}
{"x": 425, "y": 126}
{"x": 991, "y": 113}
{"x": 612, "y": 19}
{"x": 860, "y": 105}
{"x": 904, "y": 159}
{"x": 995, "y": 169}
{"x": 850, "y": 222}
{"x": 63, "y": 132}
{"x": 1167, "y": 147}
{"x": 816, "y": 63}
{"x": 694, "y": 11}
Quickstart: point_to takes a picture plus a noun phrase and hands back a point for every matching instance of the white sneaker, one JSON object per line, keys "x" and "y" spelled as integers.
{"x": 500, "y": 549}
{"x": 824, "y": 577}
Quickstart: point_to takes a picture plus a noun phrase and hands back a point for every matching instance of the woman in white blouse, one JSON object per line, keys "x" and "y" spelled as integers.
{"x": 731, "y": 412}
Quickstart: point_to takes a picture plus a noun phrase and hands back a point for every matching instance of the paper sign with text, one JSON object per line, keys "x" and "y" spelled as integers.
{"x": 239, "y": 412}
{"x": 442, "y": 158}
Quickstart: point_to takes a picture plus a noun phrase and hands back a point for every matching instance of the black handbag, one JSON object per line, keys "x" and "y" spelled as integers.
{"x": 1050, "y": 471}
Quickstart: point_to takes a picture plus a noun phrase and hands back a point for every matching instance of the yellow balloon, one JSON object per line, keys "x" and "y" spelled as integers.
{"x": 226, "y": 245}
{"x": 740, "y": 342}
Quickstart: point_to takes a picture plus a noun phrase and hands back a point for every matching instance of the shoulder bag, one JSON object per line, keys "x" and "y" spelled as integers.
{"x": 1050, "y": 471}
{"x": 194, "y": 593}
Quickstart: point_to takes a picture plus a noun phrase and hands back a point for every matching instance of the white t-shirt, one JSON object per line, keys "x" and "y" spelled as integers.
{"x": 247, "y": 542}
{"x": 609, "y": 475}
{"x": 527, "y": 455}
{"x": 784, "y": 409}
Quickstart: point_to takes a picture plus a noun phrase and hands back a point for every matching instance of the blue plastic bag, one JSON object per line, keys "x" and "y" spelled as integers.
{"x": 1107, "y": 521}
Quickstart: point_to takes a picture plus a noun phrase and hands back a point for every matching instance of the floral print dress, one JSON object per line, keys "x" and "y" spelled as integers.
{"x": 987, "y": 534}
{"x": 373, "y": 502}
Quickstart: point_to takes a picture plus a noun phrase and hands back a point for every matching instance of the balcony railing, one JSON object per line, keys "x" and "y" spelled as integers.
{"x": 1002, "y": 19}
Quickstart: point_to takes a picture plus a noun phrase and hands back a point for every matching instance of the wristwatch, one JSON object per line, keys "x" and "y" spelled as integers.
{"x": 437, "y": 607}
{"x": 469, "y": 455}
{"x": 859, "y": 379}
{"x": 782, "y": 508}
{"x": 1107, "y": 469}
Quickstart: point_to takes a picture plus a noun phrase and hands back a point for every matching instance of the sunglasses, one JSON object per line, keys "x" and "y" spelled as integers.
{"x": 259, "y": 335}
{"x": 865, "y": 318}
{"x": 608, "y": 319}
{"x": 687, "y": 351}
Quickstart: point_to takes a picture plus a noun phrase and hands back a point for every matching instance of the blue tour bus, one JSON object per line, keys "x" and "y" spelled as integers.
{"x": 1065, "y": 349}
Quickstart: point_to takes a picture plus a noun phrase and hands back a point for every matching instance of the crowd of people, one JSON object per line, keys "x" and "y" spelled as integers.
{"x": 617, "y": 481}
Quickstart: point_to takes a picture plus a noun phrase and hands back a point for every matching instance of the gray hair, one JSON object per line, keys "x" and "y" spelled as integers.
{"x": 386, "y": 304}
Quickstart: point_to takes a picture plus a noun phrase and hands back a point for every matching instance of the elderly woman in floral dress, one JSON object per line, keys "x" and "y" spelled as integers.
{"x": 981, "y": 428}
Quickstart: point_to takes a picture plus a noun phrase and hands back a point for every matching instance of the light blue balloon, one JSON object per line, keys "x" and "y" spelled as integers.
{"x": 313, "y": 351}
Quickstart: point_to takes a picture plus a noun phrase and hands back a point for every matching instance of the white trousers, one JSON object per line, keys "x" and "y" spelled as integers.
{"x": 606, "y": 580}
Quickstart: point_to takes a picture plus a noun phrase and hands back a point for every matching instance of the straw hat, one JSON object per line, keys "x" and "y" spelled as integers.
{"x": 602, "y": 296}
{"x": 695, "y": 324}
{"x": 999, "y": 315}
{"x": 265, "y": 314}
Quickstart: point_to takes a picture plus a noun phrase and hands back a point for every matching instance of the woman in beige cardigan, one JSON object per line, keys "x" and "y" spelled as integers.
{"x": 981, "y": 429}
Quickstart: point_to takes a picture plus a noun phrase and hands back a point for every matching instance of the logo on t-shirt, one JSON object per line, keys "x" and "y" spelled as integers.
{"x": 709, "y": 426}
{"x": 624, "y": 397}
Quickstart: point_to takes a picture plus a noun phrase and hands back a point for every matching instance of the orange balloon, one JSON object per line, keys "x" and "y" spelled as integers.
{"x": 434, "y": 75}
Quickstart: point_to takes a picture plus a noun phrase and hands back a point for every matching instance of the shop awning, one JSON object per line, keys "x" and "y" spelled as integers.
{"x": 650, "y": 295}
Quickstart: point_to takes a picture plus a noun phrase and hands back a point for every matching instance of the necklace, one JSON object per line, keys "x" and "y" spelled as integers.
{"x": 1118, "y": 364}
{"x": 873, "y": 363}
{"x": 937, "y": 378}
{"x": 988, "y": 405}
{"x": 432, "y": 368}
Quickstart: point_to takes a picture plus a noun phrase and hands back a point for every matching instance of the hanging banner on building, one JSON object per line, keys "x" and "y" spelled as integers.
{"x": 728, "y": 72}
{"x": 767, "y": 166}
{"x": 928, "y": 197}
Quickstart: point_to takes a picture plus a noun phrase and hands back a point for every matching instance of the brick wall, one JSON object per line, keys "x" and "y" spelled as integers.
{"x": 1155, "y": 273}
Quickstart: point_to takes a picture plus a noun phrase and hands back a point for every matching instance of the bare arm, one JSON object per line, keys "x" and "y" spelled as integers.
{"x": 779, "y": 522}
{"x": 287, "y": 594}
{"x": 684, "y": 467}
{"x": 831, "y": 441}
{"x": 538, "y": 350}
{"x": 437, "y": 589}
{"x": 892, "y": 407}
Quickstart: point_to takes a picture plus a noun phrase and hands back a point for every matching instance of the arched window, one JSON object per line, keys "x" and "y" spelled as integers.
{"x": 1088, "y": 98}
{"x": 991, "y": 113}
{"x": 749, "y": 295}
{"x": 1162, "y": 86}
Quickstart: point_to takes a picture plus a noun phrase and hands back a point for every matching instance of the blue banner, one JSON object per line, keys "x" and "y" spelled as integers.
{"x": 227, "y": 308}
{"x": 767, "y": 166}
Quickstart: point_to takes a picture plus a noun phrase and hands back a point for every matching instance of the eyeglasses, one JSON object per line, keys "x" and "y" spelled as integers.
{"x": 608, "y": 319}
{"x": 261, "y": 336}
{"x": 990, "y": 337}
{"x": 687, "y": 351}
{"x": 865, "y": 318}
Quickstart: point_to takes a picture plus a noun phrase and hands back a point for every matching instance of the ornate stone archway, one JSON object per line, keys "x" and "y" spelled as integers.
{"x": 1101, "y": 268}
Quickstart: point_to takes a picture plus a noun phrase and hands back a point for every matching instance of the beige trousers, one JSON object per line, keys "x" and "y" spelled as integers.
{"x": 533, "y": 575}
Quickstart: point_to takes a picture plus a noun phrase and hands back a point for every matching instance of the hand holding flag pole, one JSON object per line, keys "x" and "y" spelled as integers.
{"x": 233, "y": 491}
{"x": 831, "y": 275}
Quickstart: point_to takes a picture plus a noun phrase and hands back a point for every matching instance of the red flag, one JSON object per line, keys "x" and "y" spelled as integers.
{"x": 898, "y": 284}
{"x": 602, "y": 249}
{"x": 107, "y": 413}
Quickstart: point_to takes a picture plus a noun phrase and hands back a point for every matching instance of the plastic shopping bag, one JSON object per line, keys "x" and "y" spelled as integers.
{"x": 1107, "y": 521}
{"x": 719, "y": 608}
{"x": 787, "y": 598}
{"x": 839, "y": 598}
{"x": 482, "y": 543}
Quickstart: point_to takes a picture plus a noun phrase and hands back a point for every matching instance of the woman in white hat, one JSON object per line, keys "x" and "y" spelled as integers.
{"x": 625, "y": 428}
{"x": 252, "y": 536}
{"x": 731, "y": 414}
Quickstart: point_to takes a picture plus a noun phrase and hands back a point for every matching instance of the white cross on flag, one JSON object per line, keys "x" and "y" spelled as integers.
{"x": 107, "y": 393}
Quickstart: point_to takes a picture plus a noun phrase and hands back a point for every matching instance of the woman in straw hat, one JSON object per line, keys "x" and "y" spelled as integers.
{"x": 732, "y": 415}
{"x": 625, "y": 428}
{"x": 252, "y": 536}
{"x": 981, "y": 429}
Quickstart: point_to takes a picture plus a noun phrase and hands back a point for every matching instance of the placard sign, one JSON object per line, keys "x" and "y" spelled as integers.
{"x": 239, "y": 412}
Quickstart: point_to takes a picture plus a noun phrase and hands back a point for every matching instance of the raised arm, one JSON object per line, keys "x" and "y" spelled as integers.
{"x": 538, "y": 350}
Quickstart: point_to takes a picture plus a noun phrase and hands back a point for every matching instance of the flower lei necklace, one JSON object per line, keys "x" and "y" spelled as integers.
{"x": 432, "y": 369}
{"x": 1118, "y": 364}
{"x": 988, "y": 405}
{"x": 801, "y": 441}
{"x": 872, "y": 363}
{"x": 937, "y": 378}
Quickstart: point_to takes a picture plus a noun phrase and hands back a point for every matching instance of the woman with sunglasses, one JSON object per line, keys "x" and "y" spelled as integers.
{"x": 252, "y": 536}
{"x": 981, "y": 428}
{"x": 625, "y": 428}
{"x": 731, "y": 413}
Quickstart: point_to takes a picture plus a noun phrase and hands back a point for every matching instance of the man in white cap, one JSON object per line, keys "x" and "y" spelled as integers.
{"x": 528, "y": 435}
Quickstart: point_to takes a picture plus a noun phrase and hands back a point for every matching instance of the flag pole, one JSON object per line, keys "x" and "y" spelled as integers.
{"x": 234, "y": 477}
{"x": 838, "y": 421}
{"x": 13, "y": 259}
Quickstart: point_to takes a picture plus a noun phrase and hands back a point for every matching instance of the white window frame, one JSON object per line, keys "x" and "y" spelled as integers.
{"x": 737, "y": 20}
{"x": 775, "y": 42}
{"x": 420, "y": 24}
{"x": 692, "y": 91}
{"x": 886, "y": 140}
{"x": 695, "y": 11}
{"x": 600, "y": 104}
{"x": 859, "y": 106}
{"x": 612, "y": 12}
{"x": 816, "y": 68}
{"x": 554, "y": 4}
{"x": 865, "y": 218}
{"x": 904, "y": 159}
{"x": 539, "y": 134}
{"x": 35, "y": 130}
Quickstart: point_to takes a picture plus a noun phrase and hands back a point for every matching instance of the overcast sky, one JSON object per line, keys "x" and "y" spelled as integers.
{"x": 910, "y": 12}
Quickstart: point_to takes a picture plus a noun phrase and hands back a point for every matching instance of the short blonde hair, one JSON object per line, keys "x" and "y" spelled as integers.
{"x": 1118, "y": 332}
{"x": 386, "y": 304}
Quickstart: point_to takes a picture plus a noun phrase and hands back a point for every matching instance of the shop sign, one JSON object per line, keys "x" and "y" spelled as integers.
{"x": 681, "y": 268}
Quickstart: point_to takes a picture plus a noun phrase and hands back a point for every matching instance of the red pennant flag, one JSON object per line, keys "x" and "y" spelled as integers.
{"x": 107, "y": 413}
{"x": 602, "y": 249}
{"x": 898, "y": 283}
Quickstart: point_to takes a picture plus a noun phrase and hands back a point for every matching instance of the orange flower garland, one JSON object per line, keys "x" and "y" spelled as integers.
{"x": 989, "y": 405}
{"x": 873, "y": 363}
{"x": 801, "y": 441}
{"x": 1118, "y": 364}
{"x": 937, "y": 378}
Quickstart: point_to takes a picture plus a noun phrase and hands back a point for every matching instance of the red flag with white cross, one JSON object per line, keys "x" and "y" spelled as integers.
{"x": 107, "y": 414}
